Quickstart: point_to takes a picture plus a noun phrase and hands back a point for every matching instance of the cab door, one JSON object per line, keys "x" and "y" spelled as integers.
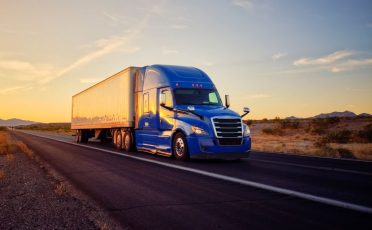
{"x": 166, "y": 116}
{"x": 166, "y": 119}
{"x": 148, "y": 131}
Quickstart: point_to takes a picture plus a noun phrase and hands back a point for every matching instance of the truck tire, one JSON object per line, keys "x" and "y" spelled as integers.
{"x": 128, "y": 141}
{"x": 84, "y": 136}
{"x": 179, "y": 147}
{"x": 118, "y": 140}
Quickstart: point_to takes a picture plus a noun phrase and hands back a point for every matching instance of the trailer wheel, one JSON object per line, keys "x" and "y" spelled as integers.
{"x": 118, "y": 140}
{"x": 128, "y": 141}
{"x": 180, "y": 150}
{"x": 84, "y": 136}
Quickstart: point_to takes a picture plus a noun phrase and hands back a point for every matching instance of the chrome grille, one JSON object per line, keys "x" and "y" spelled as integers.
{"x": 227, "y": 128}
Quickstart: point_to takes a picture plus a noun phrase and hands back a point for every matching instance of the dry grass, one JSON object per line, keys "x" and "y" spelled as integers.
{"x": 23, "y": 147}
{"x": 5, "y": 144}
{"x": 313, "y": 137}
{"x": 5, "y": 147}
{"x": 60, "y": 189}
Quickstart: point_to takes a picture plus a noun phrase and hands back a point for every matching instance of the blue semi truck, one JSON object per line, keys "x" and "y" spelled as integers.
{"x": 161, "y": 109}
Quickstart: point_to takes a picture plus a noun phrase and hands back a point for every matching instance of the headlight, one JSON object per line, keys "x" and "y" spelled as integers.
{"x": 246, "y": 131}
{"x": 198, "y": 131}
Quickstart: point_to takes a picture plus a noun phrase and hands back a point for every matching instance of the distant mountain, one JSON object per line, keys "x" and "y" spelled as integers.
{"x": 364, "y": 115}
{"x": 292, "y": 118}
{"x": 336, "y": 114}
{"x": 15, "y": 122}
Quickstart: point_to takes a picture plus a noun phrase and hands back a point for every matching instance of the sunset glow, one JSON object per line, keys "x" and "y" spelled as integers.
{"x": 280, "y": 58}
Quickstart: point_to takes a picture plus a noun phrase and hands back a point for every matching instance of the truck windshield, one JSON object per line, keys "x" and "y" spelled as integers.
{"x": 197, "y": 97}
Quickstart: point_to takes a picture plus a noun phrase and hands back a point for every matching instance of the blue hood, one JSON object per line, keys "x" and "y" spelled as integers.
{"x": 211, "y": 111}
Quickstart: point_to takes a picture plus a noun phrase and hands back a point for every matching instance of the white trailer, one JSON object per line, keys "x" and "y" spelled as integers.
{"x": 107, "y": 104}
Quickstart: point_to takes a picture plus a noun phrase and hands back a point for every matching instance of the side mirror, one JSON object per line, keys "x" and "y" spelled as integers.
{"x": 246, "y": 110}
{"x": 227, "y": 101}
{"x": 162, "y": 99}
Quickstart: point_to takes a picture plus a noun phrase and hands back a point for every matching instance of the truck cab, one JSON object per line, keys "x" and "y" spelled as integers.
{"x": 179, "y": 112}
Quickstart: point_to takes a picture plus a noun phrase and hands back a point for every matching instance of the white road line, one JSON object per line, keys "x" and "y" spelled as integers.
{"x": 314, "y": 167}
{"x": 288, "y": 192}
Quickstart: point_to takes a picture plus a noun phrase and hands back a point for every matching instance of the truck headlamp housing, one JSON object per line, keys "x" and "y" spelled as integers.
{"x": 198, "y": 131}
{"x": 246, "y": 131}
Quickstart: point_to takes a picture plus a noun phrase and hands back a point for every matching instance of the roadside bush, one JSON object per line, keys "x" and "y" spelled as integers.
{"x": 324, "y": 122}
{"x": 321, "y": 142}
{"x": 366, "y": 133}
{"x": 288, "y": 124}
{"x": 342, "y": 136}
{"x": 345, "y": 153}
{"x": 273, "y": 131}
{"x": 56, "y": 127}
{"x": 318, "y": 131}
{"x": 329, "y": 151}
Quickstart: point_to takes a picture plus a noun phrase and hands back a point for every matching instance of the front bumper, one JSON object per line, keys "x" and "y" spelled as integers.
{"x": 208, "y": 148}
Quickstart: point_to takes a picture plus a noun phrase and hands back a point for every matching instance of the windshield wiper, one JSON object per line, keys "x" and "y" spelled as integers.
{"x": 183, "y": 111}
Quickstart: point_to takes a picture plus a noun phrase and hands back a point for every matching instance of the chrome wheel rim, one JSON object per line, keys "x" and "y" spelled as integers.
{"x": 118, "y": 141}
{"x": 180, "y": 147}
{"x": 127, "y": 141}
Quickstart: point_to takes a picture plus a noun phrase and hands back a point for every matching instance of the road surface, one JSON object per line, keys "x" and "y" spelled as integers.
{"x": 267, "y": 191}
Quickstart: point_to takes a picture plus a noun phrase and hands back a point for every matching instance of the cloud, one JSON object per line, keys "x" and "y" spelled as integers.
{"x": 244, "y": 4}
{"x": 40, "y": 75}
{"x": 15, "y": 88}
{"x": 259, "y": 96}
{"x": 89, "y": 80}
{"x": 115, "y": 20}
{"x": 23, "y": 71}
{"x": 369, "y": 25}
{"x": 170, "y": 51}
{"x": 331, "y": 58}
{"x": 103, "y": 47}
{"x": 18, "y": 70}
{"x": 278, "y": 56}
{"x": 351, "y": 64}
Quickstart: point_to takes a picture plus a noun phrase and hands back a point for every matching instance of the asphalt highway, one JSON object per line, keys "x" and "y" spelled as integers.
{"x": 266, "y": 191}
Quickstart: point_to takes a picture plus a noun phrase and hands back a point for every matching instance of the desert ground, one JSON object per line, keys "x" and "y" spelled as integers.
{"x": 327, "y": 137}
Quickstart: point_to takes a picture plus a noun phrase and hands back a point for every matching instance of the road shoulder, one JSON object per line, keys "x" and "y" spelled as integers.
{"x": 34, "y": 195}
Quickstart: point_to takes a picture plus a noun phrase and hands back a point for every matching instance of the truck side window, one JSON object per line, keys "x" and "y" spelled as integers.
{"x": 166, "y": 98}
{"x": 146, "y": 102}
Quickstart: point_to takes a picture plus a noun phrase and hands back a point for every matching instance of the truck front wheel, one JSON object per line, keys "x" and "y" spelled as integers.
{"x": 180, "y": 150}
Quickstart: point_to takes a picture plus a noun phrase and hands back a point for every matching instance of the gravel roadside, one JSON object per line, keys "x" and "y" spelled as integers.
{"x": 34, "y": 196}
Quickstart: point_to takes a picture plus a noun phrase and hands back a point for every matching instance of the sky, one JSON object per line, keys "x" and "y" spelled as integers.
{"x": 279, "y": 58}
